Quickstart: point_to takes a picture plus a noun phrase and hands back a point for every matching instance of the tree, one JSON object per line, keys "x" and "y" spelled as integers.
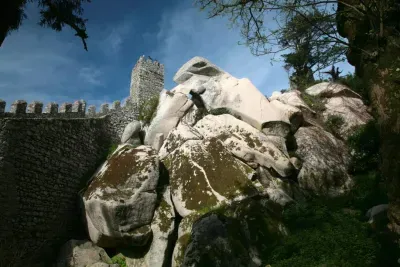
{"x": 372, "y": 30}
{"x": 310, "y": 52}
{"x": 54, "y": 14}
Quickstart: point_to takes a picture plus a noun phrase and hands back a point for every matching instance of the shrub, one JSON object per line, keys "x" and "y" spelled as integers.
{"x": 148, "y": 109}
{"x": 364, "y": 143}
{"x": 323, "y": 236}
{"x": 314, "y": 102}
{"x": 333, "y": 123}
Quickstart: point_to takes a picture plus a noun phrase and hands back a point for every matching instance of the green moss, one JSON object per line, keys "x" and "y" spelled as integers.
{"x": 183, "y": 242}
{"x": 120, "y": 168}
{"x": 164, "y": 216}
{"x": 148, "y": 109}
{"x": 119, "y": 259}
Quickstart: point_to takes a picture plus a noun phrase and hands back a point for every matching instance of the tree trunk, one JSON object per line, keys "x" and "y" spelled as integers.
{"x": 379, "y": 66}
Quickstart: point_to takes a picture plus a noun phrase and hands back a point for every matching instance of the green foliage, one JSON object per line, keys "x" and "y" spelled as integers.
{"x": 356, "y": 84}
{"x": 53, "y": 14}
{"x": 314, "y": 102}
{"x": 365, "y": 143}
{"x": 333, "y": 124}
{"x": 324, "y": 237}
{"x": 119, "y": 259}
{"x": 148, "y": 109}
{"x": 111, "y": 150}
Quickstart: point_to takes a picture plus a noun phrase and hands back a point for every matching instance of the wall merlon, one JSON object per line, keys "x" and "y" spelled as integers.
{"x": 104, "y": 108}
{"x": 51, "y": 108}
{"x": 77, "y": 106}
{"x": 2, "y": 106}
{"x": 35, "y": 107}
{"x": 18, "y": 107}
{"x": 116, "y": 105}
{"x": 92, "y": 110}
{"x": 66, "y": 108}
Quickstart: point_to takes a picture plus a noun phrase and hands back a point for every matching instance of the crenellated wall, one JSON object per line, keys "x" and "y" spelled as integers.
{"x": 48, "y": 153}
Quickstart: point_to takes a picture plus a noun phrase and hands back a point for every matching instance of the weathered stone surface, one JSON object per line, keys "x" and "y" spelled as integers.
{"x": 203, "y": 174}
{"x": 177, "y": 137}
{"x": 352, "y": 110}
{"x": 131, "y": 133}
{"x": 172, "y": 107}
{"x": 243, "y": 99}
{"x": 162, "y": 226}
{"x": 103, "y": 264}
{"x": 196, "y": 66}
{"x": 292, "y": 98}
{"x": 247, "y": 143}
{"x": 328, "y": 89}
{"x": 325, "y": 161}
{"x": 279, "y": 191}
{"x": 375, "y": 212}
{"x": 224, "y": 237}
{"x": 158, "y": 141}
{"x": 120, "y": 201}
{"x": 81, "y": 253}
{"x": 293, "y": 114}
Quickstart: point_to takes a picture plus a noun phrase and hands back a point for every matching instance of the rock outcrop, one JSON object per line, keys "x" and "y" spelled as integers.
{"x": 325, "y": 161}
{"x": 171, "y": 108}
{"x": 82, "y": 253}
{"x": 131, "y": 133}
{"x": 231, "y": 158}
{"x": 120, "y": 201}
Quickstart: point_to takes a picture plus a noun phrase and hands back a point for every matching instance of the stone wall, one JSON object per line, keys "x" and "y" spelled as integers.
{"x": 43, "y": 165}
{"x": 147, "y": 80}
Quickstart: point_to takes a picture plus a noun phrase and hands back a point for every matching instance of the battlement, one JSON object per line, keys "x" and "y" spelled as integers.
{"x": 20, "y": 108}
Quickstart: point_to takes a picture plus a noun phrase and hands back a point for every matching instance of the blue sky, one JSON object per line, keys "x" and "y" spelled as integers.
{"x": 40, "y": 64}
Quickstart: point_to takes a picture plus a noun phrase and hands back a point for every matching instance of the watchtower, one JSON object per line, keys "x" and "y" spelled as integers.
{"x": 147, "y": 79}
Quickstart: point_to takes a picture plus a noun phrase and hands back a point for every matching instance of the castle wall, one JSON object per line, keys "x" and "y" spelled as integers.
{"x": 43, "y": 164}
{"x": 48, "y": 153}
{"x": 147, "y": 80}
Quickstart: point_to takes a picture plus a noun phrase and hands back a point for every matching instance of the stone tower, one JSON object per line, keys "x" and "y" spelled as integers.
{"x": 147, "y": 80}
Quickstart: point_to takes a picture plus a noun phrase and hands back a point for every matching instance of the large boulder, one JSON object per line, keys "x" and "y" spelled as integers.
{"x": 325, "y": 162}
{"x": 352, "y": 110}
{"x": 232, "y": 235}
{"x": 280, "y": 191}
{"x": 131, "y": 133}
{"x": 171, "y": 108}
{"x": 240, "y": 96}
{"x": 247, "y": 143}
{"x": 293, "y": 114}
{"x": 329, "y": 89}
{"x": 163, "y": 226}
{"x": 196, "y": 66}
{"x": 203, "y": 175}
{"x": 120, "y": 201}
{"x": 81, "y": 253}
{"x": 292, "y": 98}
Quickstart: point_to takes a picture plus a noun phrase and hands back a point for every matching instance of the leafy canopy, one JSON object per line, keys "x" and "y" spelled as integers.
{"x": 53, "y": 13}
